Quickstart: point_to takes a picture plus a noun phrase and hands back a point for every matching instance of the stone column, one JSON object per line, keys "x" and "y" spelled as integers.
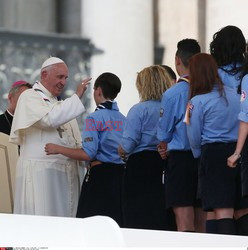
{"x": 124, "y": 31}
{"x": 178, "y": 20}
{"x": 29, "y": 15}
{"x": 69, "y": 18}
{"x": 202, "y": 24}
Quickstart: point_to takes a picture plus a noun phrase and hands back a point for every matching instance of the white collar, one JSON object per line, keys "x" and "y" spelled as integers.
{"x": 9, "y": 113}
{"x": 45, "y": 92}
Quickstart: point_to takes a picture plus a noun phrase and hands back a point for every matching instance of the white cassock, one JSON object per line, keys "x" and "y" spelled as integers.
{"x": 46, "y": 184}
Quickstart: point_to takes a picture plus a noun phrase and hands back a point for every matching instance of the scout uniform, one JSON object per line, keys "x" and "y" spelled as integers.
{"x": 102, "y": 186}
{"x": 143, "y": 201}
{"x": 181, "y": 174}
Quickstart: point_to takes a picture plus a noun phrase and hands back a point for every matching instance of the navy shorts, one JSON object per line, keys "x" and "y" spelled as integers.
{"x": 181, "y": 177}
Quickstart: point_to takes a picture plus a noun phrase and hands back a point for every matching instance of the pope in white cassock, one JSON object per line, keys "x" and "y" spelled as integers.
{"x": 47, "y": 185}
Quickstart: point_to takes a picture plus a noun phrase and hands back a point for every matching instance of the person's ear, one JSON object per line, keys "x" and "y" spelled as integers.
{"x": 99, "y": 91}
{"x": 10, "y": 97}
{"x": 178, "y": 61}
{"x": 44, "y": 74}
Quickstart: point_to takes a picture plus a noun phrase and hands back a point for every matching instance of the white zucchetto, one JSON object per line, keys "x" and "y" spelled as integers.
{"x": 51, "y": 61}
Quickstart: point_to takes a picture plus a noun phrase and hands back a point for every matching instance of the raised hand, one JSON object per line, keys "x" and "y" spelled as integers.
{"x": 82, "y": 87}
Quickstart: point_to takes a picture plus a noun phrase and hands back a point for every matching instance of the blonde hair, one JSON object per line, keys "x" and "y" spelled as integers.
{"x": 152, "y": 82}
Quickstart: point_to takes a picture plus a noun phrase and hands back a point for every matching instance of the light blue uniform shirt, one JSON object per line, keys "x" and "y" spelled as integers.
{"x": 213, "y": 118}
{"x": 171, "y": 128}
{"x": 228, "y": 79}
{"x": 243, "y": 115}
{"x": 101, "y": 134}
{"x": 141, "y": 127}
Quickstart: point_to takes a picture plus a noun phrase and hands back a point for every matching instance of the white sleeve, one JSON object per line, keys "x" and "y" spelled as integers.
{"x": 62, "y": 112}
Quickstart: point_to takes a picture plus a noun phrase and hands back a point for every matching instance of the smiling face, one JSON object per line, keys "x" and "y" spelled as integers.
{"x": 54, "y": 78}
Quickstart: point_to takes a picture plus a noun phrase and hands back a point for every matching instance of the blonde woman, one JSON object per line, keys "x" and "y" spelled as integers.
{"x": 143, "y": 203}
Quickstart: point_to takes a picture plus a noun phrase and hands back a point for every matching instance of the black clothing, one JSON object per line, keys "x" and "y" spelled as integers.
{"x": 219, "y": 185}
{"x": 101, "y": 192}
{"x": 143, "y": 192}
{"x": 244, "y": 170}
{"x": 5, "y": 122}
{"x": 181, "y": 180}
{"x": 226, "y": 226}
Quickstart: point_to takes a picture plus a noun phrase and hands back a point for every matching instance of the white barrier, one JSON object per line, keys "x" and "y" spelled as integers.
{"x": 58, "y": 232}
{"x": 152, "y": 238}
{"x": 43, "y": 232}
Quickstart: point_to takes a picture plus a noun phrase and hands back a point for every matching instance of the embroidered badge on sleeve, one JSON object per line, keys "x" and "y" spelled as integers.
{"x": 161, "y": 112}
{"x": 88, "y": 139}
{"x": 191, "y": 106}
{"x": 187, "y": 116}
{"x": 243, "y": 96}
